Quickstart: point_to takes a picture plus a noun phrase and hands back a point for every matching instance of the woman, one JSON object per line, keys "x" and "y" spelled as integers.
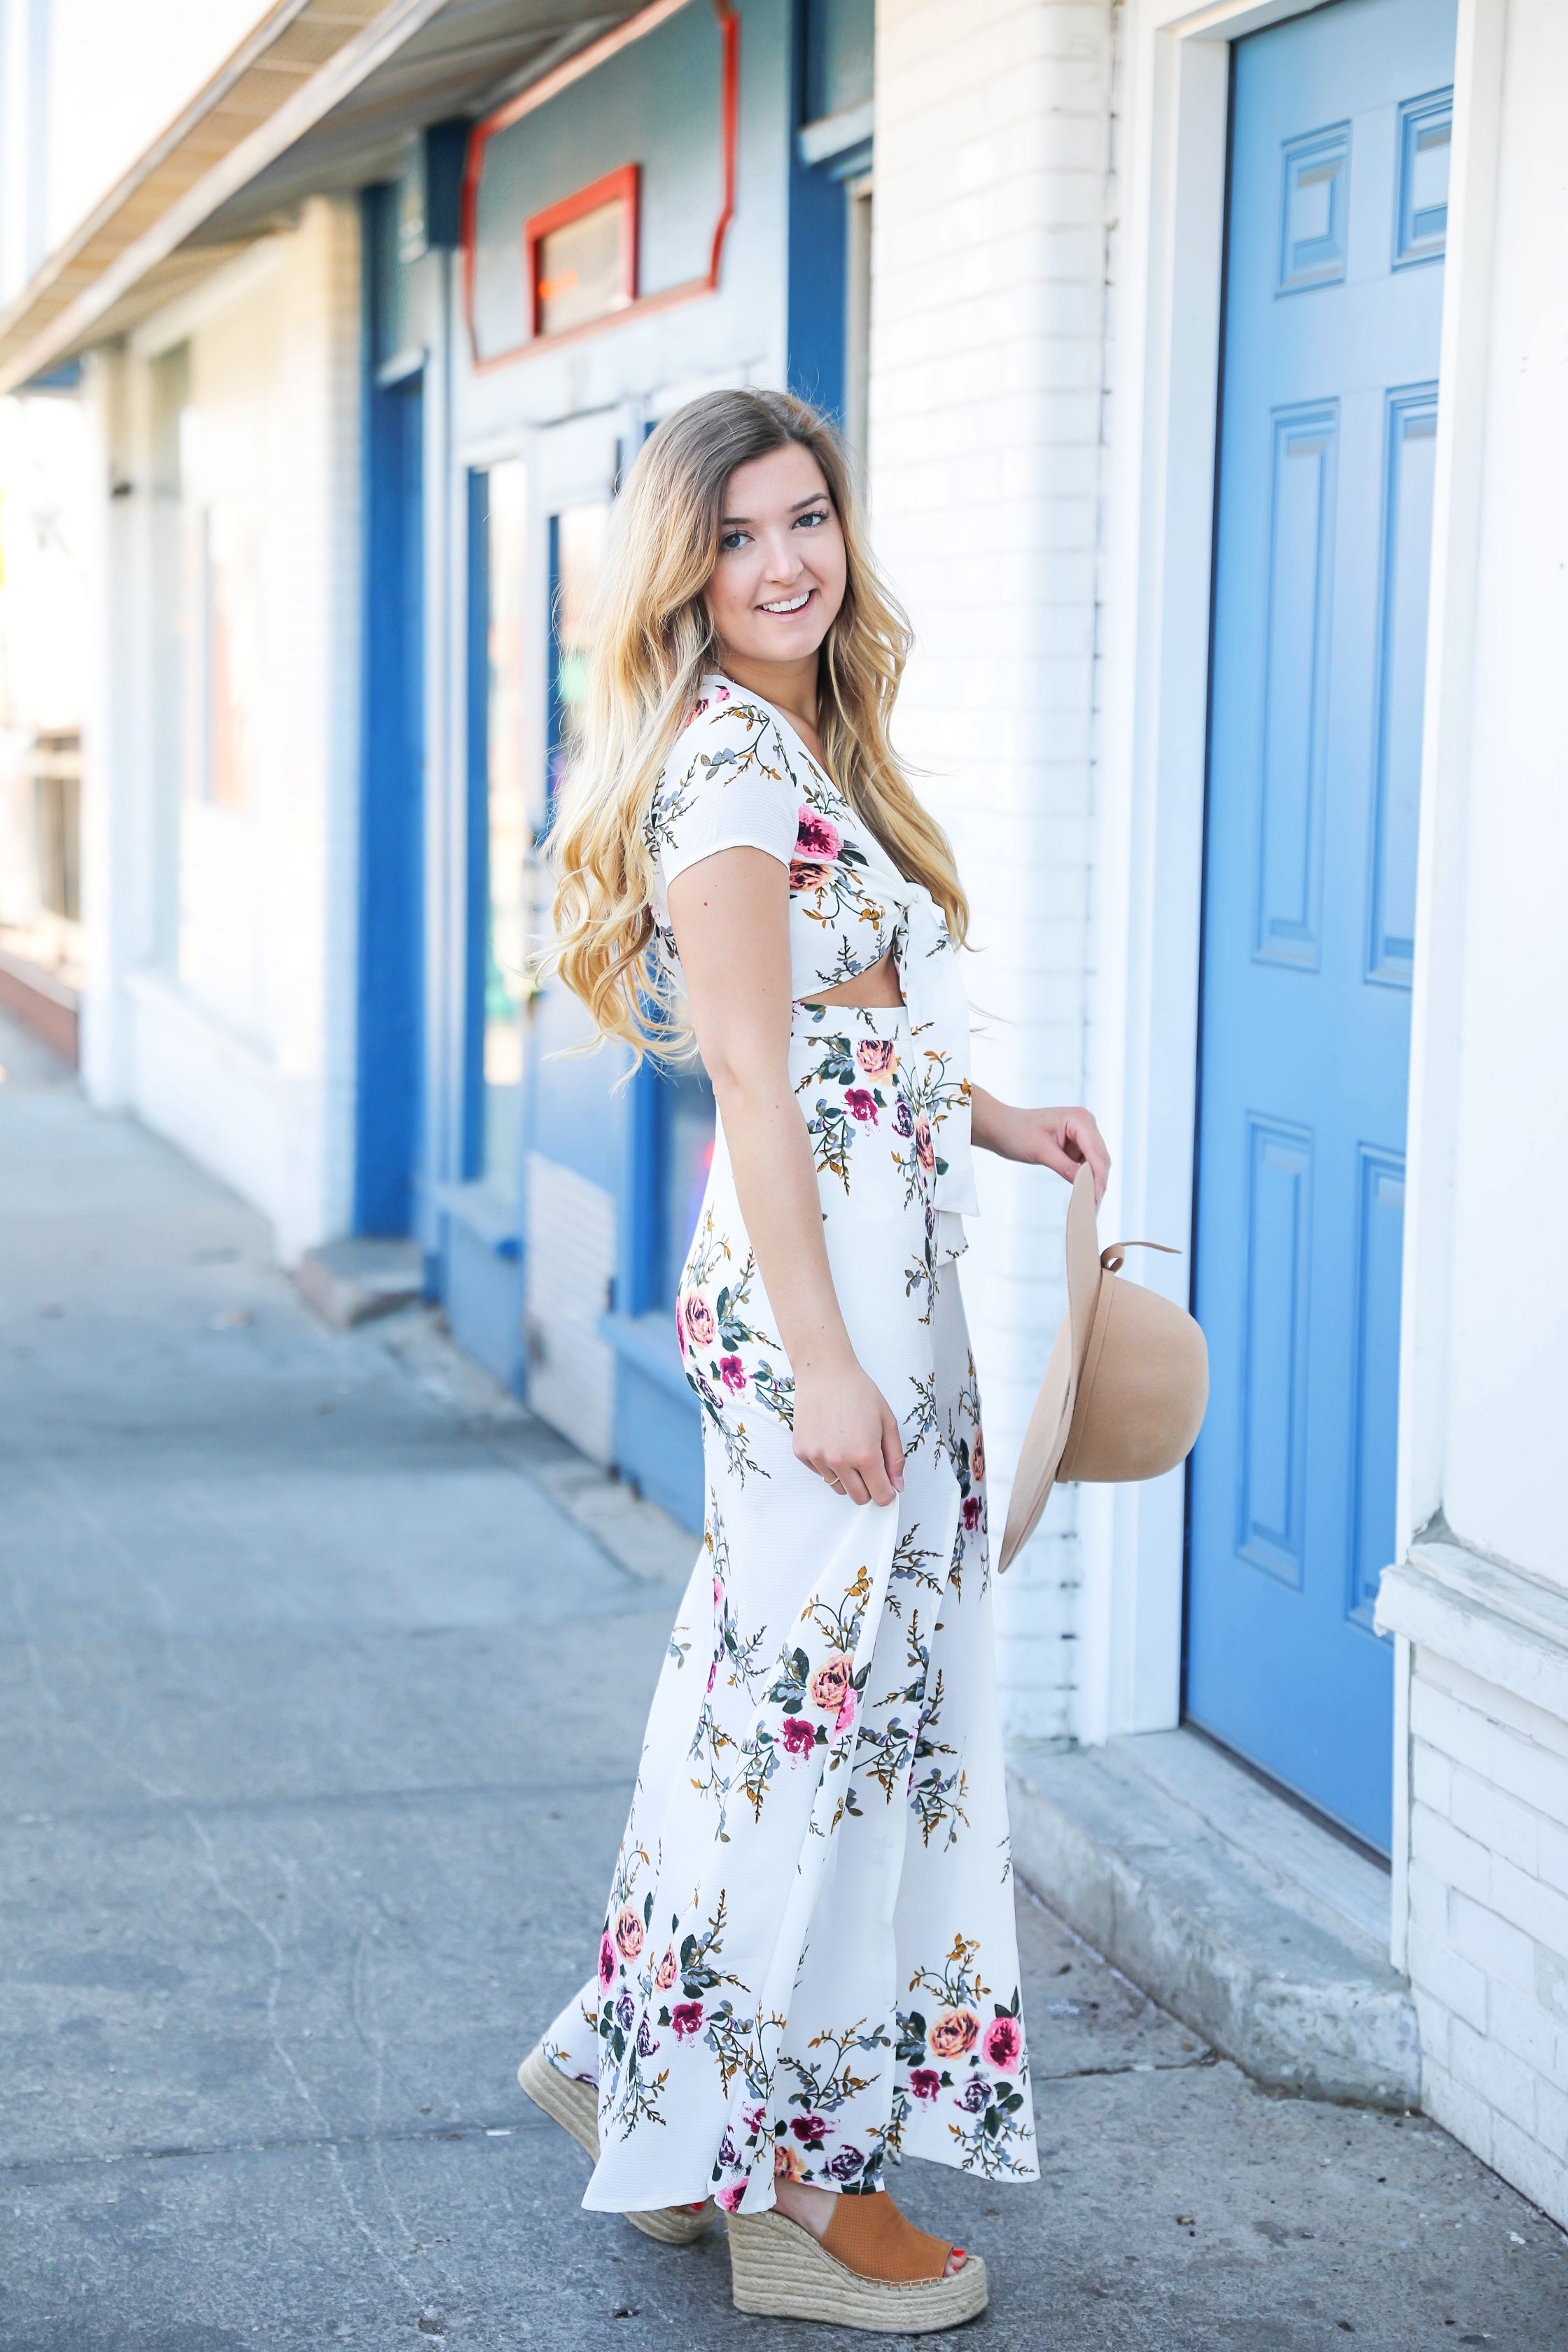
{"x": 808, "y": 1966}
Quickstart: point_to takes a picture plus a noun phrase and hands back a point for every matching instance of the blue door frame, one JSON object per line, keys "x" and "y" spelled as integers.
{"x": 390, "y": 1057}
{"x": 1334, "y": 240}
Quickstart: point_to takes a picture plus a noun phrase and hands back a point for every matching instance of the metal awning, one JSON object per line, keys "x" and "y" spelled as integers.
{"x": 317, "y": 98}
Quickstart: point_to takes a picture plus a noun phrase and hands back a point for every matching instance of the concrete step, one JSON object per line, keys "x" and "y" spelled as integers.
{"x": 1244, "y": 1916}
{"x": 349, "y": 1282}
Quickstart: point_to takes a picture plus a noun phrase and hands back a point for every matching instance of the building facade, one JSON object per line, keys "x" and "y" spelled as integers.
{"x": 1205, "y": 363}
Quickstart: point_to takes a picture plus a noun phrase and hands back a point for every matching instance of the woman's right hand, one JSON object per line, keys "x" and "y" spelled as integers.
{"x": 845, "y": 1430}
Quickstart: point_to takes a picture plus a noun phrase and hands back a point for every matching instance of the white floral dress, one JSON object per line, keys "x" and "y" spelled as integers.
{"x": 808, "y": 1958}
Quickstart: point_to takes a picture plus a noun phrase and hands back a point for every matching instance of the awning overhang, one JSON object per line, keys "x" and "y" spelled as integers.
{"x": 318, "y": 99}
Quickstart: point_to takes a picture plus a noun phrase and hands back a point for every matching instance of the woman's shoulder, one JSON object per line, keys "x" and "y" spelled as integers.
{"x": 730, "y": 754}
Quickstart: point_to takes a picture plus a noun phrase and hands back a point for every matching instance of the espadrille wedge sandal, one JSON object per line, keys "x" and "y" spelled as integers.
{"x": 574, "y": 2108}
{"x": 872, "y": 2269}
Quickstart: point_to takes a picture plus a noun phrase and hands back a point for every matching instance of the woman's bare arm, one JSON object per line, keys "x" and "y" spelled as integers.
{"x": 1065, "y": 1139}
{"x": 730, "y": 917}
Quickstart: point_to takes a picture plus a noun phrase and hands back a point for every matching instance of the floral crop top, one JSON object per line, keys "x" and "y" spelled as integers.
{"x": 741, "y": 778}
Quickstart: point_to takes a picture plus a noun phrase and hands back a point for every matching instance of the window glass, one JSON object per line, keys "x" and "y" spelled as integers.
{"x": 578, "y": 536}
{"x": 510, "y": 835}
{"x": 582, "y": 269}
{"x": 233, "y": 628}
{"x": 686, "y": 1152}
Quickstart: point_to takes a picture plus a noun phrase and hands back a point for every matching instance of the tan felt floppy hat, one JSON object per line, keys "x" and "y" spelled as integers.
{"x": 1125, "y": 1389}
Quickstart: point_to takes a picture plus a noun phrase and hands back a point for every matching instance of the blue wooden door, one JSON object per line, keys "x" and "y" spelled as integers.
{"x": 1336, "y": 218}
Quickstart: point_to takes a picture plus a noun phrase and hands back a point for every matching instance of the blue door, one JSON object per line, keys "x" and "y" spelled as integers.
{"x": 391, "y": 1042}
{"x": 1336, "y": 219}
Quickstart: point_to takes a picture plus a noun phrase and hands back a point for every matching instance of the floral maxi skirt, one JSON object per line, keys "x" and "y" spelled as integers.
{"x": 808, "y": 1962}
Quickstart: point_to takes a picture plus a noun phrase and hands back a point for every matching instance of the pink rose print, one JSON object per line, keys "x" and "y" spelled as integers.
{"x": 687, "y": 2019}
{"x": 810, "y": 2130}
{"x": 713, "y": 1673}
{"x": 815, "y": 836}
{"x": 925, "y": 2082}
{"x": 732, "y": 1372}
{"x": 628, "y": 1934}
{"x": 664, "y": 1976}
{"x": 728, "y": 2199}
{"x": 859, "y": 1102}
{"x": 830, "y": 1683}
{"x": 718, "y": 1597}
{"x": 699, "y": 1320}
{"x": 799, "y": 1737}
{"x": 1003, "y": 2044}
{"x": 971, "y": 1513}
{"x": 954, "y": 2033}
{"x": 846, "y": 1714}
{"x": 877, "y": 1056}
{"x": 925, "y": 1150}
{"x": 607, "y": 1963}
{"x": 804, "y": 875}
{"x": 977, "y": 1458}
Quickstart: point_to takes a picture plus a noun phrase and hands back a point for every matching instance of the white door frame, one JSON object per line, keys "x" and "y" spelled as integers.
{"x": 1153, "y": 696}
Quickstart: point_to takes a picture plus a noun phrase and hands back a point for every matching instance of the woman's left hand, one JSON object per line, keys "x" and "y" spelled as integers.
{"x": 1064, "y": 1137}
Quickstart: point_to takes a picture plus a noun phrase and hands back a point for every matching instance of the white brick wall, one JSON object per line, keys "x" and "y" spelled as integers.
{"x": 1488, "y": 1949}
{"x": 986, "y": 417}
{"x": 245, "y": 1053}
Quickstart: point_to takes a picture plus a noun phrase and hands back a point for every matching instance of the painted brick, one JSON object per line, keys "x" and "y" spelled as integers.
{"x": 1522, "y": 2160}
{"x": 1431, "y": 1777}
{"x": 1459, "y": 2109}
{"x": 1483, "y": 1813}
{"x": 1552, "y": 2116}
{"x": 1547, "y": 1732}
{"x": 1539, "y": 1910}
{"x": 1428, "y": 1902}
{"x": 1552, "y": 1856}
{"x": 1434, "y": 2018}
{"x": 1493, "y": 1944}
{"x": 1518, "y": 2024}
{"x": 1439, "y": 1971}
{"x": 1449, "y": 1854}
{"x": 1505, "y": 2081}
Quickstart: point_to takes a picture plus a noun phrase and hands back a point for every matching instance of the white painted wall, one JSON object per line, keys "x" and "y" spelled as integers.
{"x": 986, "y": 417}
{"x": 1507, "y": 1402}
{"x": 233, "y": 1030}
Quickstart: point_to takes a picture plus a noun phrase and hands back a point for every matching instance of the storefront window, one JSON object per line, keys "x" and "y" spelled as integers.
{"x": 508, "y": 833}
{"x": 685, "y": 1152}
{"x": 232, "y": 563}
{"x": 577, "y": 554}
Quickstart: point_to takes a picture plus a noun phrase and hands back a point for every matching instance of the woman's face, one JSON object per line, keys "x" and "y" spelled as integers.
{"x": 779, "y": 581}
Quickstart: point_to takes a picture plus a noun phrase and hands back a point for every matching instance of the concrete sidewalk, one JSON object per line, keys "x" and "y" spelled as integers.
{"x": 322, "y": 1671}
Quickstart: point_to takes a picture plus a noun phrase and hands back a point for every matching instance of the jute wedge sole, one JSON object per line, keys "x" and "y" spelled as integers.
{"x": 780, "y": 2272}
{"x": 574, "y": 2107}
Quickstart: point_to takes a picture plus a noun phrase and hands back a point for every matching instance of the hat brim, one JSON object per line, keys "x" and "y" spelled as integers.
{"x": 1045, "y": 1439}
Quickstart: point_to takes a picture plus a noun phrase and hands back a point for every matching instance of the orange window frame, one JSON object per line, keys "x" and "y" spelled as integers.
{"x": 623, "y": 186}
{"x": 537, "y": 94}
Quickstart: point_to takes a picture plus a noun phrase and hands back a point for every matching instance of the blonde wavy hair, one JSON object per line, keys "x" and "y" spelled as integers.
{"x": 651, "y": 640}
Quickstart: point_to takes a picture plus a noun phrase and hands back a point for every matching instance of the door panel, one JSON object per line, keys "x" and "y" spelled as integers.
{"x": 1336, "y": 218}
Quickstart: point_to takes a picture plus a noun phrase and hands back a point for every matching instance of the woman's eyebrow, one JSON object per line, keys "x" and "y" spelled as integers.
{"x": 744, "y": 522}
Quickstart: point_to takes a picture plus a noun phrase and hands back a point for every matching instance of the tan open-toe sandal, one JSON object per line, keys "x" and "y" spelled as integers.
{"x": 574, "y": 2108}
{"x": 873, "y": 2269}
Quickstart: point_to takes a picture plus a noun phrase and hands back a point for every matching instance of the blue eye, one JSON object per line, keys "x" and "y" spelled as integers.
{"x": 820, "y": 516}
{"x": 731, "y": 541}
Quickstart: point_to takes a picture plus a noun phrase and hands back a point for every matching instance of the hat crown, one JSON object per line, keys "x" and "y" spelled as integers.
{"x": 1126, "y": 1386}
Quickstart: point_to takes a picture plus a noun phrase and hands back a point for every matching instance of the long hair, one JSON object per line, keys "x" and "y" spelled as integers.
{"x": 651, "y": 640}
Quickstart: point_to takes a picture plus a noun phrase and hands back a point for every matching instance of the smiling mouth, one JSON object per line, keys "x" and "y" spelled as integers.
{"x": 787, "y": 604}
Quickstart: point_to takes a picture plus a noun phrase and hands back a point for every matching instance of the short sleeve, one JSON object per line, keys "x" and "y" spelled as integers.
{"x": 727, "y": 785}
